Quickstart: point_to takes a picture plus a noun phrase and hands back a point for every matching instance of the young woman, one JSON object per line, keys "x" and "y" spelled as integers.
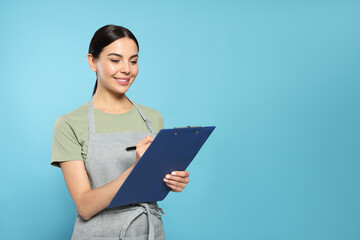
{"x": 89, "y": 145}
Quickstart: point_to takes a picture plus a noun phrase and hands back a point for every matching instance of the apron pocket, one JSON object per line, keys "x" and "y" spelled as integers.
{"x": 138, "y": 227}
{"x": 111, "y": 223}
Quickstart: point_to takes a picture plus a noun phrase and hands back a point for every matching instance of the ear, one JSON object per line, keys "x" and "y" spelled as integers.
{"x": 91, "y": 61}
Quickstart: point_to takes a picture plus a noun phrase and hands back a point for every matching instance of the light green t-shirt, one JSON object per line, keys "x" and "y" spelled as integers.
{"x": 70, "y": 141}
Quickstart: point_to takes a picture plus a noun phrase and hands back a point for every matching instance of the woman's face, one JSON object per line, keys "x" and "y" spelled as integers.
{"x": 116, "y": 65}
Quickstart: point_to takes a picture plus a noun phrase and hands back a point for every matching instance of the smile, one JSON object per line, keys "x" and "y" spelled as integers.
{"x": 123, "y": 81}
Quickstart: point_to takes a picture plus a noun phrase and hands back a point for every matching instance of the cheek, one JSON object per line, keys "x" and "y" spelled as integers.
{"x": 135, "y": 70}
{"x": 107, "y": 70}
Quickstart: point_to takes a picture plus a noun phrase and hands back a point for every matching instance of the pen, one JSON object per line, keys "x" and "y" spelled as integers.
{"x": 131, "y": 148}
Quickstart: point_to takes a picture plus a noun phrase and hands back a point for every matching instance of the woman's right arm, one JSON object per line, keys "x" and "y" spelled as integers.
{"x": 91, "y": 201}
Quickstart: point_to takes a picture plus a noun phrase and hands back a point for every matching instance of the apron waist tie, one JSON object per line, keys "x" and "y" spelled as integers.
{"x": 145, "y": 208}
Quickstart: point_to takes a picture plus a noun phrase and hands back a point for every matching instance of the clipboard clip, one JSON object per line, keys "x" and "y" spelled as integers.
{"x": 186, "y": 127}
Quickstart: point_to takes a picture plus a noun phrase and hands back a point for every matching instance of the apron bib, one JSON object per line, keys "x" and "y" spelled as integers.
{"x": 106, "y": 160}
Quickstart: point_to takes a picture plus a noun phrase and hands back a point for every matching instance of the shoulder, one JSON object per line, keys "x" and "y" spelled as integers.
{"x": 148, "y": 111}
{"x": 153, "y": 115}
{"x": 77, "y": 117}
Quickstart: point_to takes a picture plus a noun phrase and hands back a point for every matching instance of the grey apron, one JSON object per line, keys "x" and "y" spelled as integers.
{"x": 107, "y": 159}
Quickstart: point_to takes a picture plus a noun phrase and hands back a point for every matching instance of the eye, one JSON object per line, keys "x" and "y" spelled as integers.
{"x": 133, "y": 62}
{"x": 113, "y": 60}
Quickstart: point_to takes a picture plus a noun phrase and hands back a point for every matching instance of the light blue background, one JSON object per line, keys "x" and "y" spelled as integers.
{"x": 279, "y": 79}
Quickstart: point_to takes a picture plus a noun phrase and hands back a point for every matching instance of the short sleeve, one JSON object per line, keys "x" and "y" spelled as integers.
{"x": 65, "y": 146}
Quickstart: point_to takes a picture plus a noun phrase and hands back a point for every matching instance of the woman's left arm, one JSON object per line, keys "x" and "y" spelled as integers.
{"x": 177, "y": 180}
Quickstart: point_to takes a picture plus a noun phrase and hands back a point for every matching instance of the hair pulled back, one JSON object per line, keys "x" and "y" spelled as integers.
{"x": 105, "y": 36}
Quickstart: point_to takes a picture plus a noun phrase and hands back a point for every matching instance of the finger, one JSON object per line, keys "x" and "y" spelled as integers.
{"x": 178, "y": 179}
{"x": 145, "y": 140}
{"x": 180, "y": 173}
{"x": 175, "y": 188}
{"x": 175, "y": 183}
{"x": 148, "y": 139}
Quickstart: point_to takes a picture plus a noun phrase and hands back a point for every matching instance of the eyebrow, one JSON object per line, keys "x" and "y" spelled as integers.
{"x": 119, "y": 55}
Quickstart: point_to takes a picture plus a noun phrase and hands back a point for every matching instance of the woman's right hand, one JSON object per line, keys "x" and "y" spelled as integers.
{"x": 142, "y": 146}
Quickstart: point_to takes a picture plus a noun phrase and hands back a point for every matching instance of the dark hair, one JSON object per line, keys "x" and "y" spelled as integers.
{"x": 106, "y": 35}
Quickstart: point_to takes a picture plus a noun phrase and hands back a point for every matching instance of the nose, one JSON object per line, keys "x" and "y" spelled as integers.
{"x": 124, "y": 67}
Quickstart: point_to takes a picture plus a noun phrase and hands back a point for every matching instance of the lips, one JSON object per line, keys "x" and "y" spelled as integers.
{"x": 122, "y": 81}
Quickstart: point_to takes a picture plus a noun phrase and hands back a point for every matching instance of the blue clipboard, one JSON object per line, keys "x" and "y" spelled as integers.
{"x": 171, "y": 150}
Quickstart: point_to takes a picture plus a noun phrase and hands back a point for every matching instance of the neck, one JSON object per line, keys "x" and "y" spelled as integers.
{"x": 110, "y": 102}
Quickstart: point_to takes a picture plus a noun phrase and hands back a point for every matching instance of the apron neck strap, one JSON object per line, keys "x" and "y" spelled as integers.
{"x": 147, "y": 121}
{"x": 91, "y": 118}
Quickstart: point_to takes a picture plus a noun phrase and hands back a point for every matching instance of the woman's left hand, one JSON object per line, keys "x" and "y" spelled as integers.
{"x": 177, "y": 180}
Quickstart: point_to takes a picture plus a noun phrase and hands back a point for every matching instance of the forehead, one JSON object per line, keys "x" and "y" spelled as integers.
{"x": 123, "y": 46}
